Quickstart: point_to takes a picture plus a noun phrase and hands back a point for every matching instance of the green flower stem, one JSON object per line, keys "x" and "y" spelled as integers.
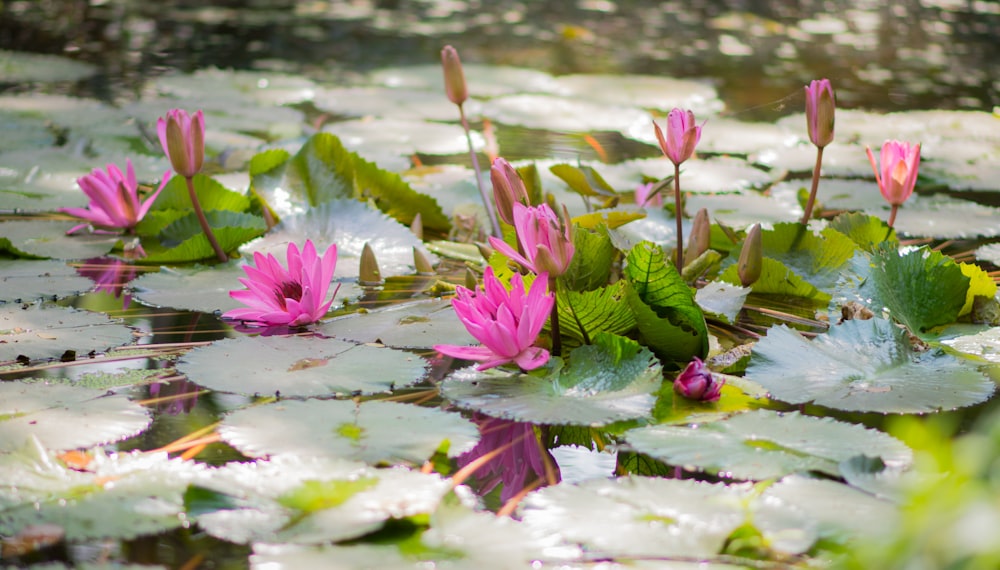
{"x": 815, "y": 186}
{"x": 219, "y": 253}
{"x": 679, "y": 214}
{"x": 487, "y": 203}
{"x": 554, "y": 322}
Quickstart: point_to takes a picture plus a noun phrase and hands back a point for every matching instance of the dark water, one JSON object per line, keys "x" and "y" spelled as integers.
{"x": 896, "y": 55}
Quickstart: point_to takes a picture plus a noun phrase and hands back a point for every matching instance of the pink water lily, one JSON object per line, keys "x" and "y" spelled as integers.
{"x": 507, "y": 323}
{"x": 294, "y": 296}
{"x": 696, "y": 382}
{"x": 643, "y": 198}
{"x": 182, "y": 137}
{"x": 682, "y": 135}
{"x": 114, "y": 199}
{"x": 545, "y": 238}
{"x": 899, "y": 164}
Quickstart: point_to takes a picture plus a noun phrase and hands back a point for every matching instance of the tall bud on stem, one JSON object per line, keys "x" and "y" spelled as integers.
{"x": 455, "y": 88}
{"x": 820, "y": 105}
{"x": 751, "y": 257}
{"x": 678, "y": 145}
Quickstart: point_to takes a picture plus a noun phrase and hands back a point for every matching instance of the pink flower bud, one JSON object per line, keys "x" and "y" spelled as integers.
{"x": 454, "y": 77}
{"x": 183, "y": 140}
{"x": 508, "y": 189}
{"x": 820, "y": 105}
{"x": 900, "y": 162}
{"x": 682, "y": 135}
{"x": 696, "y": 382}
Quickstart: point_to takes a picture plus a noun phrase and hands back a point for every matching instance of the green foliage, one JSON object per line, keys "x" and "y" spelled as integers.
{"x": 324, "y": 170}
{"x": 670, "y": 321}
{"x": 868, "y": 232}
{"x": 591, "y": 264}
{"x": 583, "y": 315}
{"x": 585, "y": 181}
{"x": 313, "y": 495}
{"x": 778, "y": 279}
{"x": 183, "y": 240}
{"x": 818, "y": 259}
{"x": 174, "y": 202}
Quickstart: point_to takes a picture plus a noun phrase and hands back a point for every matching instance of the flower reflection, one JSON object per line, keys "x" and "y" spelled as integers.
{"x": 513, "y": 456}
{"x": 109, "y": 275}
{"x": 175, "y": 397}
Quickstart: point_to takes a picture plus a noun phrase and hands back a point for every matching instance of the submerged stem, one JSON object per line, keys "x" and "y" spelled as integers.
{"x": 487, "y": 203}
{"x": 679, "y": 214}
{"x": 219, "y": 253}
{"x": 815, "y": 186}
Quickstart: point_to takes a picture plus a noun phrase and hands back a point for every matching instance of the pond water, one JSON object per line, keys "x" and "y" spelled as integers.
{"x": 356, "y": 69}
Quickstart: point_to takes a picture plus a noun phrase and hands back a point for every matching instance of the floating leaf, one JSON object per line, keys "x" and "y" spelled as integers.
{"x": 776, "y": 279}
{"x": 273, "y": 364}
{"x": 569, "y": 114}
{"x": 43, "y": 411}
{"x": 49, "y": 332}
{"x": 374, "y": 432}
{"x": 186, "y": 242}
{"x": 307, "y": 500}
{"x": 868, "y": 232}
{"x": 26, "y": 281}
{"x": 898, "y": 284}
{"x": 984, "y": 344}
{"x": 722, "y": 299}
{"x": 583, "y": 315}
{"x": 613, "y": 379}
{"x": 762, "y": 444}
{"x": 864, "y": 366}
{"x": 394, "y": 103}
{"x": 48, "y": 239}
{"x": 118, "y": 496}
{"x": 420, "y": 324}
{"x": 980, "y": 285}
{"x": 488, "y": 80}
{"x": 20, "y": 67}
{"x": 638, "y": 517}
{"x": 745, "y": 209}
{"x": 818, "y": 259}
{"x": 664, "y": 305}
{"x": 262, "y": 86}
{"x": 648, "y": 91}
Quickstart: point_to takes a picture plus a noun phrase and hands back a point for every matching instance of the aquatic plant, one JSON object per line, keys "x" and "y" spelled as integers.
{"x": 820, "y": 107}
{"x": 114, "y": 199}
{"x": 678, "y": 145}
{"x": 696, "y": 382}
{"x": 899, "y": 164}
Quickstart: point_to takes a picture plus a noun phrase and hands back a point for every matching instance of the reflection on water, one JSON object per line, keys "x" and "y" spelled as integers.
{"x": 892, "y": 55}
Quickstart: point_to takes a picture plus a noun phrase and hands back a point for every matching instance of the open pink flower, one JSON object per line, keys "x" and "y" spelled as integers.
{"x": 547, "y": 240}
{"x": 682, "y": 135}
{"x": 898, "y": 176}
{"x": 114, "y": 199}
{"x": 295, "y": 296}
{"x": 697, "y": 382}
{"x": 507, "y": 323}
{"x": 182, "y": 137}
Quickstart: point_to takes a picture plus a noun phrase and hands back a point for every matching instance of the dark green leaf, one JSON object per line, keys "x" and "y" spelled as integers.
{"x": 591, "y": 264}
{"x": 866, "y": 231}
{"x": 583, "y": 315}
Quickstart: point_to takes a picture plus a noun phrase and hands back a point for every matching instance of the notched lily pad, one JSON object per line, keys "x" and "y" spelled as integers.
{"x": 50, "y": 332}
{"x": 374, "y": 432}
{"x": 569, "y": 114}
{"x": 27, "y": 281}
{"x": 421, "y": 324}
{"x": 48, "y": 239}
{"x": 299, "y": 366}
{"x": 762, "y": 444}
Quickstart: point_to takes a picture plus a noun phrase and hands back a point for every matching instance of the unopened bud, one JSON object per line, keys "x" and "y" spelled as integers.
{"x": 485, "y": 250}
{"x": 369, "y": 274}
{"x": 700, "y": 238}
{"x": 471, "y": 281}
{"x": 422, "y": 263}
{"x": 751, "y": 257}
{"x": 417, "y": 226}
{"x": 454, "y": 77}
{"x": 508, "y": 188}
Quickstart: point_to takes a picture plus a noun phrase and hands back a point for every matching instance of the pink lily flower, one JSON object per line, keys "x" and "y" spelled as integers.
{"x": 507, "y": 323}
{"x": 508, "y": 189}
{"x": 900, "y": 162}
{"x": 183, "y": 140}
{"x": 293, "y": 296}
{"x": 820, "y": 105}
{"x": 114, "y": 199}
{"x": 547, "y": 240}
{"x": 682, "y": 135}
{"x": 696, "y": 382}
{"x": 519, "y": 462}
{"x": 642, "y": 198}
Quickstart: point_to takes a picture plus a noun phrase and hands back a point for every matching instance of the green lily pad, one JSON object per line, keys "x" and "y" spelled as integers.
{"x": 742, "y": 210}
{"x": 647, "y": 91}
{"x": 48, "y": 239}
{"x": 394, "y": 102}
{"x": 297, "y": 366}
{"x": 819, "y": 259}
{"x": 984, "y": 344}
{"x": 374, "y": 432}
{"x": 403, "y": 136}
{"x": 49, "y": 332}
{"x": 309, "y": 500}
{"x": 722, "y": 299}
{"x": 582, "y": 315}
{"x": 41, "y": 411}
{"x": 21, "y": 67}
{"x": 863, "y": 366}
{"x": 264, "y": 87}
{"x": 118, "y": 496}
{"x": 420, "y": 324}
{"x": 483, "y": 80}
{"x": 568, "y": 114}
{"x": 777, "y": 279}
{"x": 729, "y": 136}
{"x": 797, "y": 154}
{"x": 26, "y": 281}
{"x": 611, "y": 380}
{"x": 638, "y": 516}
{"x": 762, "y": 444}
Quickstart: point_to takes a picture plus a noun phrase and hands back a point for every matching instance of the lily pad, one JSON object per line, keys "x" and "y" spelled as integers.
{"x": 483, "y": 80}
{"x": 984, "y": 344}
{"x": 762, "y": 444}
{"x": 638, "y": 516}
{"x": 647, "y": 91}
{"x": 50, "y": 332}
{"x": 863, "y": 366}
{"x": 405, "y": 136}
{"x": 722, "y": 299}
{"x": 374, "y": 432}
{"x": 569, "y": 114}
{"x": 309, "y": 500}
{"x": 741, "y": 210}
{"x": 43, "y": 411}
{"x": 48, "y": 239}
{"x": 115, "y": 496}
{"x": 264, "y": 87}
{"x": 420, "y": 324}
{"x": 26, "y": 281}
{"x": 395, "y": 102}
{"x": 611, "y": 380}
{"x": 20, "y": 67}
{"x": 299, "y": 366}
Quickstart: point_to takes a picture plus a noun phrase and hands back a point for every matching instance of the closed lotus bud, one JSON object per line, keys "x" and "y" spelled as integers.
{"x": 369, "y": 273}
{"x": 454, "y": 77}
{"x": 508, "y": 188}
{"x": 696, "y": 382}
{"x": 471, "y": 281}
{"x": 485, "y": 250}
{"x": 751, "y": 257}
{"x": 417, "y": 226}
{"x": 820, "y": 105}
{"x": 422, "y": 263}
{"x": 701, "y": 236}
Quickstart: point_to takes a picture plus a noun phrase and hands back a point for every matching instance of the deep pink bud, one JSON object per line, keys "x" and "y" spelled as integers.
{"x": 183, "y": 140}
{"x": 508, "y": 189}
{"x": 454, "y": 77}
{"x": 900, "y": 162}
{"x": 697, "y": 382}
{"x": 507, "y": 323}
{"x": 545, "y": 238}
{"x": 820, "y": 105}
{"x": 682, "y": 135}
